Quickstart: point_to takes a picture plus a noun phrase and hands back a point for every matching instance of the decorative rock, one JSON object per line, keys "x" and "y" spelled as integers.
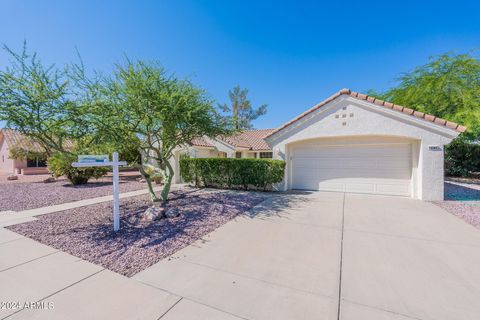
{"x": 172, "y": 213}
{"x": 12, "y": 177}
{"x": 151, "y": 214}
{"x": 49, "y": 180}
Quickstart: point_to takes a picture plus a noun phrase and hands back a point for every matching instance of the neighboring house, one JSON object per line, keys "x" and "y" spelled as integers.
{"x": 10, "y": 139}
{"x": 352, "y": 142}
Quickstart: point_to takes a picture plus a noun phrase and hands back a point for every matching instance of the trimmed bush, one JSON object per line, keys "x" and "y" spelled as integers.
{"x": 232, "y": 173}
{"x": 60, "y": 164}
{"x": 462, "y": 159}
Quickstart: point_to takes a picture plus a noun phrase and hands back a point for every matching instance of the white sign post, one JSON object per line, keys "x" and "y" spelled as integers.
{"x": 102, "y": 161}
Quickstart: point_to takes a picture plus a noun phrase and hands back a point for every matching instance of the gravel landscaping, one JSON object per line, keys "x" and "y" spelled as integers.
{"x": 32, "y": 192}
{"x": 87, "y": 233}
{"x": 462, "y": 200}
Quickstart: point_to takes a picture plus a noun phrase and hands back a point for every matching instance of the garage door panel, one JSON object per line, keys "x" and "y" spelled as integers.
{"x": 329, "y": 186}
{"x": 360, "y": 187}
{"x": 353, "y": 173}
{"x": 377, "y": 169}
{"x": 402, "y": 163}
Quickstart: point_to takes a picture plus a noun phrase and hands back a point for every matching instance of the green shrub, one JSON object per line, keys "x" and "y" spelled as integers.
{"x": 60, "y": 164}
{"x": 232, "y": 173}
{"x": 462, "y": 158}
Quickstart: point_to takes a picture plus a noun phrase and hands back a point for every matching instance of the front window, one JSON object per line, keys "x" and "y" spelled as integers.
{"x": 238, "y": 154}
{"x": 36, "y": 163}
{"x": 266, "y": 155}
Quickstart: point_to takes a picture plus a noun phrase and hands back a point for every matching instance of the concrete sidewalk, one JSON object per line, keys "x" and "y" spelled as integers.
{"x": 69, "y": 288}
{"x": 8, "y": 218}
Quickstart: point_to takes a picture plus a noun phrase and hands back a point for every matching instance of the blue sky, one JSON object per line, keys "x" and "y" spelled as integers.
{"x": 289, "y": 54}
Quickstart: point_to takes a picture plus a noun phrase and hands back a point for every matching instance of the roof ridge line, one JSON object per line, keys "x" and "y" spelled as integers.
{"x": 378, "y": 102}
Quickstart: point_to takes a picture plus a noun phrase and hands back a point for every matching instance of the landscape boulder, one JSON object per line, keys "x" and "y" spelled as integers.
{"x": 49, "y": 180}
{"x": 12, "y": 177}
{"x": 172, "y": 212}
{"x": 151, "y": 214}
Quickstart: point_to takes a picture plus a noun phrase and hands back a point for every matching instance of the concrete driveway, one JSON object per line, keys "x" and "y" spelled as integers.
{"x": 297, "y": 256}
{"x": 293, "y": 258}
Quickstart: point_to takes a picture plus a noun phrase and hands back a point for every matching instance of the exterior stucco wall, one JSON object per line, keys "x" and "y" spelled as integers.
{"x": 222, "y": 147}
{"x": 7, "y": 165}
{"x": 194, "y": 152}
{"x": 348, "y": 117}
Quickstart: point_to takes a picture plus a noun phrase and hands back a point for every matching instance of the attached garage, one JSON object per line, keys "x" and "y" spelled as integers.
{"x": 355, "y": 143}
{"x": 366, "y": 166}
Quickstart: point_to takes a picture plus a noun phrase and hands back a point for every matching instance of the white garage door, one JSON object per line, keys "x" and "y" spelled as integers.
{"x": 360, "y": 168}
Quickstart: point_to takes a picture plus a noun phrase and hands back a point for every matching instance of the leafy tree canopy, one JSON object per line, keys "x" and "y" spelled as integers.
{"x": 448, "y": 86}
{"x": 38, "y": 100}
{"x": 241, "y": 111}
{"x": 164, "y": 112}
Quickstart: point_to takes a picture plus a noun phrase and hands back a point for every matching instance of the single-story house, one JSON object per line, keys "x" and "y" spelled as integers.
{"x": 352, "y": 142}
{"x": 10, "y": 139}
{"x": 247, "y": 144}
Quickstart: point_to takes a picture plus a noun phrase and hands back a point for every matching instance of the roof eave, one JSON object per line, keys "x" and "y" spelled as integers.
{"x": 438, "y": 122}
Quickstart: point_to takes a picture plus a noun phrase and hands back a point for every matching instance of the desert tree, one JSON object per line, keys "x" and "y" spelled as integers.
{"x": 447, "y": 86}
{"x": 37, "y": 100}
{"x": 140, "y": 99}
{"x": 240, "y": 111}
{"x": 46, "y": 103}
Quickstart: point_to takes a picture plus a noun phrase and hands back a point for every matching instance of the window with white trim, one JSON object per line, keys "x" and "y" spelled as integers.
{"x": 266, "y": 155}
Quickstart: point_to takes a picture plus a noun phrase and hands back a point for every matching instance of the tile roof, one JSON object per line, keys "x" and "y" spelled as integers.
{"x": 250, "y": 139}
{"x": 378, "y": 102}
{"x": 18, "y": 140}
{"x": 201, "y": 142}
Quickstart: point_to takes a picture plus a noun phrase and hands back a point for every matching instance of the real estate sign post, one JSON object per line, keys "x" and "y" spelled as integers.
{"x": 103, "y": 161}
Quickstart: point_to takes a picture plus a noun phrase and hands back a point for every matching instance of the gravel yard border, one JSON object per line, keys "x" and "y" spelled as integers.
{"x": 31, "y": 192}
{"x": 86, "y": 232}
{"x": 462, "y": 199}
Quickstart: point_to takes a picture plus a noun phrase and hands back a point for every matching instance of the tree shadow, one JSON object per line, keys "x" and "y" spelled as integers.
{"x": 278, "y": 204}
{"x": 457, "y": 192}
{"x": 199, "y": 214}
{"x": 94, "y": 184}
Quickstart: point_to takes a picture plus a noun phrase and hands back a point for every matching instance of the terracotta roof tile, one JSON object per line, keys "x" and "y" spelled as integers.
{"x": 418, "y": 114}
{"x": 452, "y": 125}
{"x": 201, "y": 142}
{"x": 388, "y": 104}
{"x": 397, "y": 107}
{"x": 378, "y": 102}
{"x": 250, "y": 139}
{"x": 18, "y": 140}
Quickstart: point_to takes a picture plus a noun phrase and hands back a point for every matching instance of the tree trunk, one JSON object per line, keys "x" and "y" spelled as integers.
{"x": 148, "y": 179}
{"x": 168, "y": 182}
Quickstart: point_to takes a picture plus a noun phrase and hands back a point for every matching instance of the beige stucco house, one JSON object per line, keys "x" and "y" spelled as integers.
{"x": 13, "y": 139}
{"x": 352, "y": 142}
